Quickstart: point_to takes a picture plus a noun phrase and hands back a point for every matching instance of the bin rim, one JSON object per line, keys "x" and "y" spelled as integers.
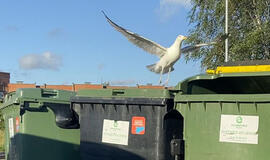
{"x": 125, "y": 93}
{"x": 241, "y": 98}
{"x": 121, "y": 100}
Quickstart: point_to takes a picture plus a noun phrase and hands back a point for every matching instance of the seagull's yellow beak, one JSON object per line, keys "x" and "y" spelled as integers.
{"x": 184, "y": 38}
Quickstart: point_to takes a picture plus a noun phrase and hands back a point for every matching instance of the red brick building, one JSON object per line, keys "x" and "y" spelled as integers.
{"x": 4, "y": 81}
{"x": 6, "y": 86}
{"x": 74, "y": 87}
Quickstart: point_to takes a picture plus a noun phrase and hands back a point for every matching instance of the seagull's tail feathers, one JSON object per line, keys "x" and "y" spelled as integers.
{"x": 152, "y": 68}
{"x": 166, "y": 70}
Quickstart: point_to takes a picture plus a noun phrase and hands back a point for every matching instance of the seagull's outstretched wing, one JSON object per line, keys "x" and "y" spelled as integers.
{"x": 198, "y": 46}
{"x": 195, "y": 47}
{"x": 146, "y": 44}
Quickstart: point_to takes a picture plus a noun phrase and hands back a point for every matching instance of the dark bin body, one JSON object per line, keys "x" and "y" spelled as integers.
{"x": 130, "y": 127}
{"x": 35, "y": 122}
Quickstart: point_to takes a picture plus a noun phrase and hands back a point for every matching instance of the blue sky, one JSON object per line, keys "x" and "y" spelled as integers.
{"x": 70, "y": 41}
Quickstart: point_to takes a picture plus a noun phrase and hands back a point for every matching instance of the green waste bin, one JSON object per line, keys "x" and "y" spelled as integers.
{"x": 39, "y": 125}
{"x": 128, "y": 124}
{"x": 226, "y": 116}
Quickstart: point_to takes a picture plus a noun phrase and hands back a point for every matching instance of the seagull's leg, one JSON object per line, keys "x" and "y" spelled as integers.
{"x": 160, "y": 78}
{"x": 167, "y": 81}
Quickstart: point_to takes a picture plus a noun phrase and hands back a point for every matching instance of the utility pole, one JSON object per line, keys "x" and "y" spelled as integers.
{"x": 226, "y": 32}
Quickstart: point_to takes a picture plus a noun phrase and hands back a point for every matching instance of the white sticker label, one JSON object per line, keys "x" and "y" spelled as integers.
{"x": 239, "y": 129}
{"x": 115, "y": 132}
{"x": 11, "y": 127}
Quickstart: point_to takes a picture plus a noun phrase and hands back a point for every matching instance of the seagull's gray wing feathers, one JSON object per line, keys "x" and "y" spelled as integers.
{"x": 195, "y": 47}
{"x": 145, "y": 44}
{"x": 198, "y": 46}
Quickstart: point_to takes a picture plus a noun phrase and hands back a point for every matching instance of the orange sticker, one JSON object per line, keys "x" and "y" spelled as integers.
{"x": 138, "y": 125}
{"x": 17, "y": 124}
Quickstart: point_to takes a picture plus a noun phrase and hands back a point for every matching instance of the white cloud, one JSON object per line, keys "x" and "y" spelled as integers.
{"x": 168, "y": 8}
{"x": 45, "y": 60}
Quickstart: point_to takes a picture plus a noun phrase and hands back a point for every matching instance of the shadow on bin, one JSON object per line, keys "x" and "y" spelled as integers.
{"x": 92, "y": 151}
{"x": 38, "y": 148}
{"x": 173, "y": 127}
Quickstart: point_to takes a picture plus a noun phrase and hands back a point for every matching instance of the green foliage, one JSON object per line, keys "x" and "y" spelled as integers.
{"x": 249, "y": 28}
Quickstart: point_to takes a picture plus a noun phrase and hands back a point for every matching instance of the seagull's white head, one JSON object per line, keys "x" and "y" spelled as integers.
{"x": 181, "y": 37}
{"x": 179, "y": 40}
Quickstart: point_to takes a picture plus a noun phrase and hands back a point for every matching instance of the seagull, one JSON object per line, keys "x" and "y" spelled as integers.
{"x": 167, "y": 56}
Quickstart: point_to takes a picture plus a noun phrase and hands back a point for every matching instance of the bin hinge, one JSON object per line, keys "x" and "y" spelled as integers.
{"x": 177, "y": 148}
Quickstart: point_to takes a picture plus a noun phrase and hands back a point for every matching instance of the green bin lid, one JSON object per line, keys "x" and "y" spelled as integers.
{"x": 38, "y": 95}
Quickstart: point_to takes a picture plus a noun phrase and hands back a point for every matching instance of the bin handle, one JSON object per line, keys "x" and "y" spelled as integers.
{"x": 117, "y": 92}
{"x": 49, "y": 93}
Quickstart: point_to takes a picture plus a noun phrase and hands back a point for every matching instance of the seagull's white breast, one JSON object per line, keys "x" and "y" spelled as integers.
{"x": 173, "y": 53}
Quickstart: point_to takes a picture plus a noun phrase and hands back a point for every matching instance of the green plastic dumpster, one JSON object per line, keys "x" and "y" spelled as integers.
{"x": 128, "y": 124}
{"x": 226, "y": 116}
{"x": 39, "y": 125}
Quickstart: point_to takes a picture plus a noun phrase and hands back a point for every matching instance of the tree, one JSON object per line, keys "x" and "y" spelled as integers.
{"x": 249, "y": 28}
